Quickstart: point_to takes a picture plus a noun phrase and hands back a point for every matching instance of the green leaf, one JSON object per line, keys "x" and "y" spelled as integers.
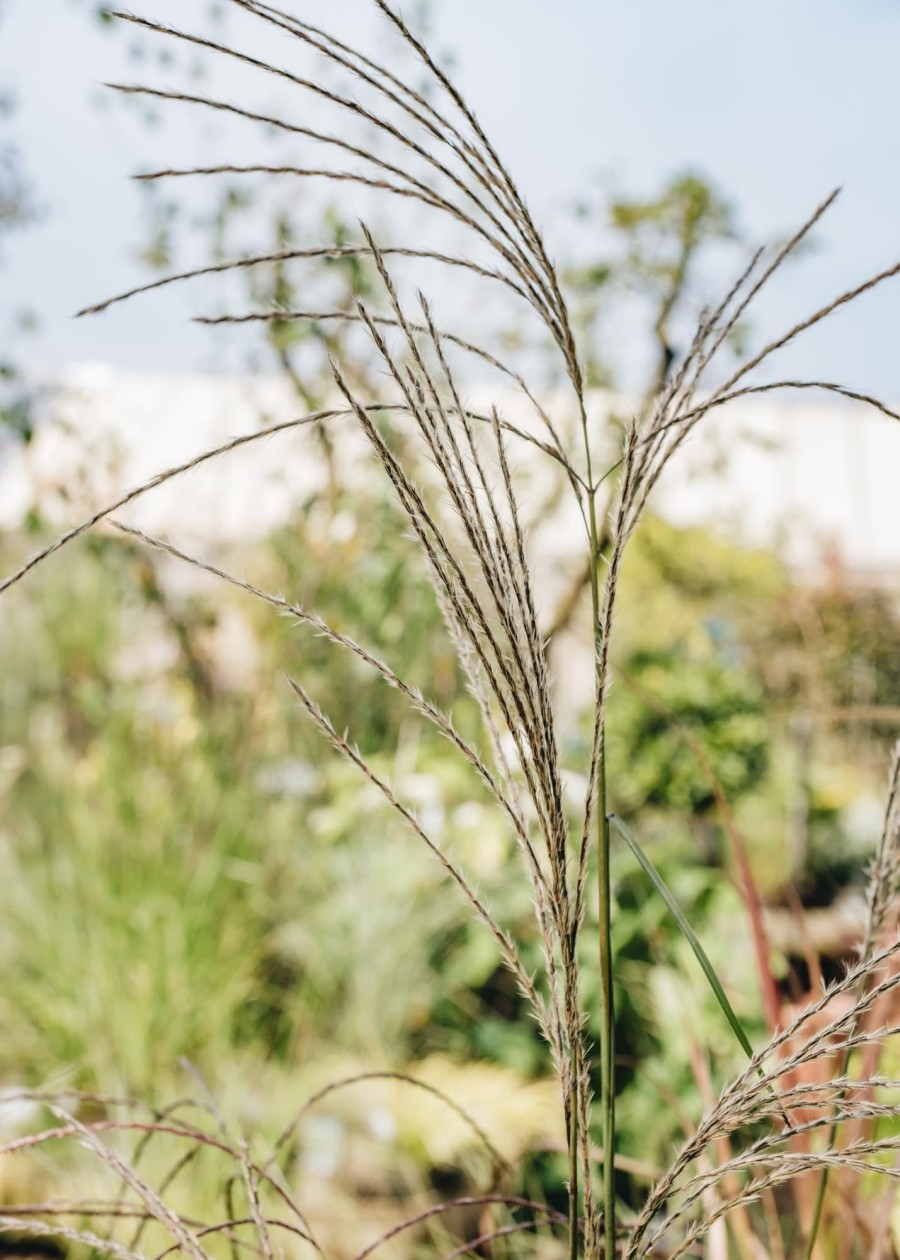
{"x": 688, "y": 932}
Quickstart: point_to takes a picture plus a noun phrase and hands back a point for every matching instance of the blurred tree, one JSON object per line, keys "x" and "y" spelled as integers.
{"x": 657, "y": 250}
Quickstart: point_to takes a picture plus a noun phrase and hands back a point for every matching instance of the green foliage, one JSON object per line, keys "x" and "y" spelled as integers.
{"x": 663, "y": 233}
{"x": 657, "y": 247}
{"x": 175, "y": 844}
{"x": 689, "y": 711}
{"x": 383, "y": 599}
{"x": 668, "y": 703}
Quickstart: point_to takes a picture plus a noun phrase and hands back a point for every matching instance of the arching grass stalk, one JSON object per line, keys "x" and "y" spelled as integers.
{"x": 604, "y": 883}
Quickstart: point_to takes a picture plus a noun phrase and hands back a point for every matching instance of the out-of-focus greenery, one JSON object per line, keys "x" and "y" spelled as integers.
{"x": 720, "y": 702}
{"x": 190, "y": 873}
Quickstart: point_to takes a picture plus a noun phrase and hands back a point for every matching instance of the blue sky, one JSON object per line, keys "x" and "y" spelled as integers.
{"x": 776, "y": 103}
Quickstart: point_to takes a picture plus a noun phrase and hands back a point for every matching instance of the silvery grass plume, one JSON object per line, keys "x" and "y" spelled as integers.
{"x": 428, "y": 148}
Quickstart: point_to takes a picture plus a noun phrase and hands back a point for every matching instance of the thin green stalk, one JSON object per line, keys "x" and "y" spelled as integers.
{"x": 607, "y": 1009}
{"x": 820, "y": 1203}
{"x": 572, "y": 1144}
{"x": 604, "y": 902}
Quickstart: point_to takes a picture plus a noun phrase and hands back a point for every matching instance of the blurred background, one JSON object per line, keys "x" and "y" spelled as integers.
{"x": 190, "y": 878}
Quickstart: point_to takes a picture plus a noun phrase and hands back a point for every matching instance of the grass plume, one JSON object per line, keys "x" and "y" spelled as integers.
{"x": 470, "y": 530}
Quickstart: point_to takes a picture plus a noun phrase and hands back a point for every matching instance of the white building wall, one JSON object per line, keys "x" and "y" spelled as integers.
{"x": 816, "y": 480}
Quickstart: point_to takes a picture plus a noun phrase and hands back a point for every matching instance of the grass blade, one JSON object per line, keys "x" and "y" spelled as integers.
{"x": 688, "y": 932}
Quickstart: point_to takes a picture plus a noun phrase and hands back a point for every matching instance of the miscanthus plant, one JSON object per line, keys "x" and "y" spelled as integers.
{"x": 424, "y": 144}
